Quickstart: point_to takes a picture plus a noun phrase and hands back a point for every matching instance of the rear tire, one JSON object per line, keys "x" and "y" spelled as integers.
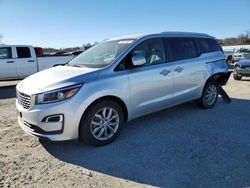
{"x": 101, "y": 124}
{"x": 209, "y": 95}
{"x": 237, "y": 77}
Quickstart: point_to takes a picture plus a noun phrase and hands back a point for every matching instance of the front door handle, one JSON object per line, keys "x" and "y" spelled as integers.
{"x": 178, "y": 69}
{"x": 10, "y": 62}
{"x": 165, "y": 72}
{"x": 31, "y": 61}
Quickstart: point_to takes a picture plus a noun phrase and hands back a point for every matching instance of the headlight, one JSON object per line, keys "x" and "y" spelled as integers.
{"x": 237, "y": 66}
{"x": 57, "y": 95}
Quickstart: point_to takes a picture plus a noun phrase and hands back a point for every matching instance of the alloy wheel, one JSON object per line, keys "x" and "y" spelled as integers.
{"x": 211, "y": 94}
{"x": 104, "y": 123}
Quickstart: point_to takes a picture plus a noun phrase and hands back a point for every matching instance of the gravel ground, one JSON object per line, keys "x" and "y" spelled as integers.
{"x": 182, "y": 146}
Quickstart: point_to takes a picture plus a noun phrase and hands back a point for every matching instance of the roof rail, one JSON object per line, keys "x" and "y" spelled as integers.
{"x": 185, "y": 33}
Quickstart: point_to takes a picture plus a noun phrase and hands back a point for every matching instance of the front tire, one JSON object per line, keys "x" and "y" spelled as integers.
{"x": 209, "y": 95}
{"x": 237, "y": 77}
{"x": 101, "y": 124}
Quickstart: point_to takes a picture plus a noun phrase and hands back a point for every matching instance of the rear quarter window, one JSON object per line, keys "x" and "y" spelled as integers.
{"x": 208, "y": 45}
{"x": 181, "y": 48}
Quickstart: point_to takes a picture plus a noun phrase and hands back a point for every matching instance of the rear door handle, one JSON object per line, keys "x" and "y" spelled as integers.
{"x": 178, "y": 69}
{"x": 10, "y": 62}
{"x": 165, "y": 72}
{"x": 31, "y": 61}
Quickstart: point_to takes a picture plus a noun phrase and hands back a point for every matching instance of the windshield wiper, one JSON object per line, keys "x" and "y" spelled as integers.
{"x": 76, "y": 65}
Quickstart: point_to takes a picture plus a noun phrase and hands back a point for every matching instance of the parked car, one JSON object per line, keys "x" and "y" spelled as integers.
{"x": 240, "y": 54}
{"x": 242, "y": 68}
{"x": 20, "y": 61}
{"x": 119, "y": 80}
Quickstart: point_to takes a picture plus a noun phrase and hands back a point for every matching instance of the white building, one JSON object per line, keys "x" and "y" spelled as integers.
{"x": 234, "y": 47}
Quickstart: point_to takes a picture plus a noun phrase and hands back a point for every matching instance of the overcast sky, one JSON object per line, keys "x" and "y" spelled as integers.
{"x": 65, "y": 23}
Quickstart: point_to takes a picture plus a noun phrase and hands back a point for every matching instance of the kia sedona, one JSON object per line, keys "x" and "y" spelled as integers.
{"x": 118, "y": 80}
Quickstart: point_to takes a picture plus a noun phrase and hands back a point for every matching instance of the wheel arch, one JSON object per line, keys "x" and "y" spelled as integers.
{"x": 220, "y": 78}
{"x": 116, "y": 99}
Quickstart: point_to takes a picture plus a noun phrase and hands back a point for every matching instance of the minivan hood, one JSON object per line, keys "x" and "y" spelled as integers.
{"x": 56, "y": 77}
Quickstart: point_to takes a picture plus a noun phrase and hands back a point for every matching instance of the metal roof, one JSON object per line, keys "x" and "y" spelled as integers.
{"x": 167, "y": 33}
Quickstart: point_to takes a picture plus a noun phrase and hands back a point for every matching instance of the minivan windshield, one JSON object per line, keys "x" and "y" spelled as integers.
{"x": 243, "y": 50}
{"x": 101, "y": 55}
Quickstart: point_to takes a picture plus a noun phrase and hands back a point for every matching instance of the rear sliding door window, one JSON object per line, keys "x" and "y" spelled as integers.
{"x": 23, "y": 52}
{"x": 5, "y": 53}
{"x": 181, "y": 48}
{"x": 208, "y": 45}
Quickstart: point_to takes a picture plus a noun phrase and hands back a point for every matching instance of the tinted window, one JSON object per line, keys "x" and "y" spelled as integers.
{"x": 23, "y": 52}
{"x": 5, "y": 53}
{"x": 182, "y": 48}
{"x": 152, "y": 50}
{"x": 209, "y": 45}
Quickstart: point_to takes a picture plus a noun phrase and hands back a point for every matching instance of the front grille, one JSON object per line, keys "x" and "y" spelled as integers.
{"x": 245, "y": 67}
{"x": 24, "y": 100}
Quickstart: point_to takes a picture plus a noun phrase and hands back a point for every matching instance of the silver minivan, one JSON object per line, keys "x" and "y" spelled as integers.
{"x": 120, "y": 79}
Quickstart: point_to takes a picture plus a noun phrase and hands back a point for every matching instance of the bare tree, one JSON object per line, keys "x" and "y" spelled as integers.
{"x": 242, "y": 39}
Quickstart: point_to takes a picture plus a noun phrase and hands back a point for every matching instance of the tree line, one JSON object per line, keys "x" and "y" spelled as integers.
{"x": 242, "y": 39}
{"x": 71, "y": 49}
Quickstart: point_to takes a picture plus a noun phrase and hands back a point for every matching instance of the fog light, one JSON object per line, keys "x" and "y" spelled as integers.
{"x": 53, "y": 118}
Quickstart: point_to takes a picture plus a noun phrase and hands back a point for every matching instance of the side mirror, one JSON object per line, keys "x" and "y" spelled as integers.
{"x": 138, "y": 60}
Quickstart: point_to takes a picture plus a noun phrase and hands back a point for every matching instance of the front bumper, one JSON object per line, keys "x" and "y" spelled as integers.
{"x": 34, "y": 122}
{"x": 242, "y": 72}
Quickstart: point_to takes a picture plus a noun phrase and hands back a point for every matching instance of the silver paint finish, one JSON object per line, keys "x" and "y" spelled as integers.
{"x": 143, "y": 90}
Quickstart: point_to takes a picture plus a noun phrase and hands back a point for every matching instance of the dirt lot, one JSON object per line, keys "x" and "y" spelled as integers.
{"x": 179, "y": 147}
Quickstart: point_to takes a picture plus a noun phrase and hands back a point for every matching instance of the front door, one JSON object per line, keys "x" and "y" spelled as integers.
{"x": 26, "y": 62}
{"x": 151, "y": 84}
{"x": 8, "y": 69}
